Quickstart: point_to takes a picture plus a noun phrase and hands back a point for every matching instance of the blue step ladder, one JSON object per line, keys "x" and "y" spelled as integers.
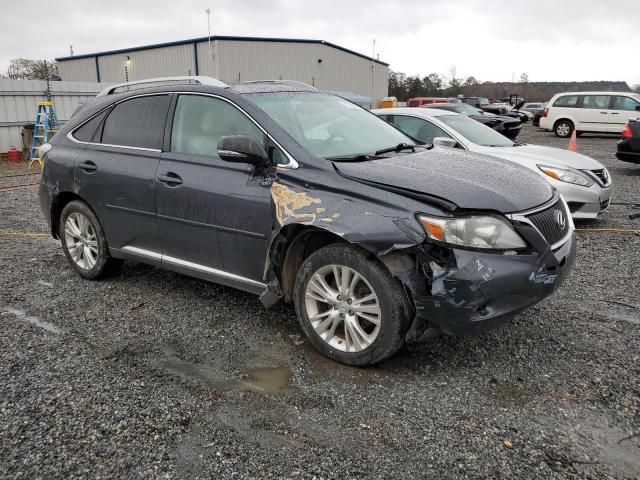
{"x": 45, "y": 125}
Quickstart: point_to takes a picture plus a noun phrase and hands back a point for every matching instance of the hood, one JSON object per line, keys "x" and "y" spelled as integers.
{"x": 470, "y": 180}
{"x": 495, "y": 119}
{"x": 532, "y": 155}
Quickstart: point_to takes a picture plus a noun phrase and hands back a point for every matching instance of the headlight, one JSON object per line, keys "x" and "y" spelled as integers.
{"x": 473, "y": 231}
{"x": 568, "y": 176}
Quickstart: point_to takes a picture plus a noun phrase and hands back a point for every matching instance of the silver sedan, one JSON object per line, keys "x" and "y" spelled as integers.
{"x": 584, "y": 182}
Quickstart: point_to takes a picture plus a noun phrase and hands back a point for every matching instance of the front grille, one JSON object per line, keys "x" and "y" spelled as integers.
{"x": 549, "y": 223}
{"x": 602, "y": 175}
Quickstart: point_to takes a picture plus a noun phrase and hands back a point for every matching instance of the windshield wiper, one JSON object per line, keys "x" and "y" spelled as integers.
{"x": 398, "y": 148}
{"x": 518, "y": 144}
{"x": 360, "y": 157}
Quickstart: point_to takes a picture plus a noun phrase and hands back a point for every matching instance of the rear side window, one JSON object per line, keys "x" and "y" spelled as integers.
{"x": 596, "y": 102}
{"x": 568, "y": 101}
{"x": 92, "y": 130}
{"x": 413, "y": 103}
{"x": 138, "y": 122}
{"x": 625, "y": 103}
{"x": 200, "y": 122}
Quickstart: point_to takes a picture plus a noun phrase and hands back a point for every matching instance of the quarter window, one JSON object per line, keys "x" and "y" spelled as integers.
{"x": 596, "y": 102}
{"x": 568, "y": 101}
{"x": 625, "y": 103}
{"x": 138, "y": 122}
{"x": 200, "y": 122}
{"x": 92, "y": 130}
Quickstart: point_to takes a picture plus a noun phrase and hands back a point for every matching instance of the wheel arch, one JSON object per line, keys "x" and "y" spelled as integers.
{"x": 60, "y": 201}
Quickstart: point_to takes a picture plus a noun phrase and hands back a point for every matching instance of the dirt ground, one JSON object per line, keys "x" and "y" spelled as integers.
{"x": 156, "y": 375}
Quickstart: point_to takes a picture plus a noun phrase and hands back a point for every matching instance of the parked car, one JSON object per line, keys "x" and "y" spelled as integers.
{"x": 477, "y": 102}
{"x": 520, "y": 114}
{"x": 299, "y": 195}
{"x": 537, "y": 109}
{"x": 532, "y": 107}
{"x": 507, "y": 126}
{"x": 583, "y": 182}
{"x": 629, "y": 145}
{"x": 595, "y": 112}
{"x": 420, "y": 101}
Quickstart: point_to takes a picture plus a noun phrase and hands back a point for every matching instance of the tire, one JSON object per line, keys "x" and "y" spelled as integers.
{"x": 79, "y": 226}
{"x": 327, "y": 332}
{"x": 563, "y": 128}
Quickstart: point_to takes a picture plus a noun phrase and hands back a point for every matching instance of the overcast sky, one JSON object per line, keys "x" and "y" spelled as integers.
{"x": 489, "y": 39}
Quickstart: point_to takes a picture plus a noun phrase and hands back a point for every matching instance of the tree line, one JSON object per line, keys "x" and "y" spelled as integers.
{"x": 404, "y": 87}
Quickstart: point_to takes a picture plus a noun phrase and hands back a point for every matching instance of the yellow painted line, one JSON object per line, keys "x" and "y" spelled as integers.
{"x": 619, "y": 230}
{"x": 23, "y": 234}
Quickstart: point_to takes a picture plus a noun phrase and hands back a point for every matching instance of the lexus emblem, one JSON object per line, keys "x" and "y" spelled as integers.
{"x": 560, "y": 220}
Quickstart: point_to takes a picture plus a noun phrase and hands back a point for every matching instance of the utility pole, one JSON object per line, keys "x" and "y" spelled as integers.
{"x": 373, "y": 64}
{"x": 71, "y": 50}
{"x": 208, "y": 12}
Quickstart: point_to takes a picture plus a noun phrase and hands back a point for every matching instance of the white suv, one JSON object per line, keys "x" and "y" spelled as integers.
{"x": 606, "y": 112}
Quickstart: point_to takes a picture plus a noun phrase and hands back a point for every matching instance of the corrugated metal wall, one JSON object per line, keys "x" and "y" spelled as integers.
{"x": 244, "y": 60}
{"x": 80, "y": 70}
{"x": 19, "y": 102}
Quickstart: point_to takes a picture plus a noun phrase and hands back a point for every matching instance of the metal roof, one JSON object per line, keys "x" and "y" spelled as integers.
{"x": 221, "y": 38}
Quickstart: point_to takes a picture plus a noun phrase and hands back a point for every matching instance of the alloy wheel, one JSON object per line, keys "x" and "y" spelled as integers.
{"x": 343, "y": 308}
{"x": 81, "y": 240}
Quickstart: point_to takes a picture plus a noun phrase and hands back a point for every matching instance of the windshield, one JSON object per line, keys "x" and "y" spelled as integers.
{"x": 327, "y": 125}
{"x": 476, "y": 132}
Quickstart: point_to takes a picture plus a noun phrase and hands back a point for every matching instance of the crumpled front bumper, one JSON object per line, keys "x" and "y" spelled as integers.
{"x": 480, "y": 291}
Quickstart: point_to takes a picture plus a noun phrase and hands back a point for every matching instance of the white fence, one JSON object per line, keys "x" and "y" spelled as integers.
{"x": 19, "y": 102}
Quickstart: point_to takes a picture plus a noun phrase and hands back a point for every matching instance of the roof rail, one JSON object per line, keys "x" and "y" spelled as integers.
{"x": 161, "y": 82}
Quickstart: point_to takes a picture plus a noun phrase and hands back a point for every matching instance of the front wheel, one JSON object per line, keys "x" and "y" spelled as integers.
{"x": 349, "y": 306}
{"x": 84, "y": 242}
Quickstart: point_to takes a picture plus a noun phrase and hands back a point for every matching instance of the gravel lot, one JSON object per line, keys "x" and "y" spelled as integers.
{"x": 156, "y": 375}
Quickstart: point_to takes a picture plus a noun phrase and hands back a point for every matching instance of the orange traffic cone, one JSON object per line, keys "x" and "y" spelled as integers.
{"x": 573, "y": 146}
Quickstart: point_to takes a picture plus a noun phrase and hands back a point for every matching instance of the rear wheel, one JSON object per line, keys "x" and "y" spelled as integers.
{"x": 84, "y": 242}
{"x": 349, "y": 306}
{"x": 563, "y": 128}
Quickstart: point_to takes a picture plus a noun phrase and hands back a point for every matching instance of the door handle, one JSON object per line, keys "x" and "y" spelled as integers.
{"x": 88, "y": 166}
{"x": 603, "y": 113}
{"x": 170, "y": 178}
{"x": 614, "y": 113}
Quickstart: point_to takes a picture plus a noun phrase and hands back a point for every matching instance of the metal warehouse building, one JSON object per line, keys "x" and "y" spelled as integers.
{"x": 230, "y": 59}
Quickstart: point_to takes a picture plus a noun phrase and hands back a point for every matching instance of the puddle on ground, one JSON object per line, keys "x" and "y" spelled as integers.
{"x": 260, "y": 380}
{"x": 267, "y": 380}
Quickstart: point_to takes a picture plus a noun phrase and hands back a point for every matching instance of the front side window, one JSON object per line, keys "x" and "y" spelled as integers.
{"x": 327, "y": 125}
{"x": 596, "y": 102}
{"x": 200, "y": 122}
{"x": 568, "y": 101}
{"x": 418, "y": 128}
{"x": 413, "y": 103}
{"x": 625, "y": 103}
{"x": 138, "y": 122}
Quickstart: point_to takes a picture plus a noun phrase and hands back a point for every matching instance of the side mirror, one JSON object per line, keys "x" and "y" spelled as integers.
{"x": 638, "y": 108}
{"x": 445, "y": 142}
{"x": 242, "y": 149}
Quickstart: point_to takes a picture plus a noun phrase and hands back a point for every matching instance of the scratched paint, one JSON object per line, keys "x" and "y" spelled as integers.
{"x": 290, "y": 204}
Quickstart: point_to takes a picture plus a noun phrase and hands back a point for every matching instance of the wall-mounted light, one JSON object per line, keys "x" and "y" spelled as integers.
{"x": 127, "y": 60}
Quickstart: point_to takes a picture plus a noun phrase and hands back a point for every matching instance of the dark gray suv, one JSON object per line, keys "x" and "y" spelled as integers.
{"x": 297, "y": 195}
